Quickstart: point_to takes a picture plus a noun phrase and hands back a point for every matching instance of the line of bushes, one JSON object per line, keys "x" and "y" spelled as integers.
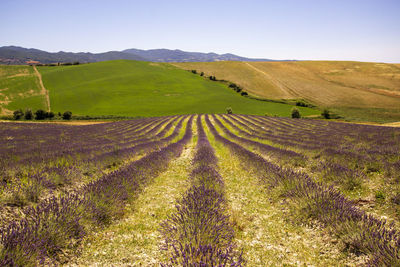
{"x": 39, "y": 114}
{"x": 59, "y": 64}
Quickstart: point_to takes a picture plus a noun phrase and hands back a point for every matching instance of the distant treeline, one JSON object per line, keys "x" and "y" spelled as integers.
{"x": 58, "y": 64}
{"x": 40, "y": 114}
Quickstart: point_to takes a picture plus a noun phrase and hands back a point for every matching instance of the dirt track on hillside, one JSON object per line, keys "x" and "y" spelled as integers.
{"x": 43, "y": 89}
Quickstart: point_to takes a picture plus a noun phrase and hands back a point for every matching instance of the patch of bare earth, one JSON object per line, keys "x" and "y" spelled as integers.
{"x": 43, "y": 89}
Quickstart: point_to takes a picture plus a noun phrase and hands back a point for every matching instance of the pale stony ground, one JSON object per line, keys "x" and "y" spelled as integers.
{"x": 135, "y": 240}
{"x": 264, "y": 229}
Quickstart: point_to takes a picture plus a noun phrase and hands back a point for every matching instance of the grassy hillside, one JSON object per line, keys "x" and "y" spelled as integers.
{"x": 19, "y": 88}
{"x": 355, "y": 89}
{"x": 136, "y": 88}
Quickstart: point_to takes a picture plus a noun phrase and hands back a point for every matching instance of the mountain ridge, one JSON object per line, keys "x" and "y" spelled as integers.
{"x": 15, "y": 55}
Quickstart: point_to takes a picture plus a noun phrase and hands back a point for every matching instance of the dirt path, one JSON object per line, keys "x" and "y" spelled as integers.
{"x": 135, "y": 240}
{"x": 43, "y": 89}
{"x": 276, "y": 83}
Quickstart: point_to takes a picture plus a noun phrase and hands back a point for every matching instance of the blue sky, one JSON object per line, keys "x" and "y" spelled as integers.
{"x": 363, "y": 30}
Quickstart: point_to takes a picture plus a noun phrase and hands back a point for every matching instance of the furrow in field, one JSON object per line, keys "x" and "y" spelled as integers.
{"x": 262, "y": 225}
{"x": 135, "y": 239}
{"x": 314, "y": 201}
{"x": 199, "y": 231}
{"x": 98, "y": 203}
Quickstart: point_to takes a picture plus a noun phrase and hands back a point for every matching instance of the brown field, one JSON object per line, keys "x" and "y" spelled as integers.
{"x": 325, "y": 83}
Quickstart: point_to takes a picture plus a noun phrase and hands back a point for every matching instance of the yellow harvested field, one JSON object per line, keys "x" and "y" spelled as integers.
{"x": 324, "y": 83}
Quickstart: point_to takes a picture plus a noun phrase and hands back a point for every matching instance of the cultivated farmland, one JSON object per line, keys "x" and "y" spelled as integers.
{"x": 127, "y": 88}
{"x": 356, "y": 90}
{"x": 217, "y": 190}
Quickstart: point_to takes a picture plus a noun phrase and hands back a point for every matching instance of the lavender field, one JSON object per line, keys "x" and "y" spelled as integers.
{"x": 200, "y": 190}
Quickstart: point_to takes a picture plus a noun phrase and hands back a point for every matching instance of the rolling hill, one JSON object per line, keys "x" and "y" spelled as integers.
{"x": 19, "y": 88}
{"x": 356, "y": 90}
{"x": 135, "y": 88}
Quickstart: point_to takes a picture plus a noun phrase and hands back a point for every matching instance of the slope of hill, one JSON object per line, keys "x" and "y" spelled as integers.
{"x": 167, "y": 55}
{"x": 13, "y": 55}
{"x": 367, "y": 91}
{"x": 19, "y": 88}
{"x": 137, "y": 88}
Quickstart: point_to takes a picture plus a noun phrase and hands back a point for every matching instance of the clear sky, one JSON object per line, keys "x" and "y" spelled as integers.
{"x": 364, "y": 30}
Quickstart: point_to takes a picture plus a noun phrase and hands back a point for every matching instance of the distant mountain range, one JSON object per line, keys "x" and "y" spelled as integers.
{"x": 15, "y": 55}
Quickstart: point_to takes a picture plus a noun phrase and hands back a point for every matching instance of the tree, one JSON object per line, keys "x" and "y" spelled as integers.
{"x": 67, "y": 115}
{"x": 28, "y": 114}
{"x": 202, "y": 74}
{"x": 326, "y": 114}
{"x": 194, "y": 71}
{"x": 295, "y": 113}
{"x": 40, "y": 114}
{"x": 18, "y": 114}
{"x": 229, "y": 110}
{"x": 50, "y": 114}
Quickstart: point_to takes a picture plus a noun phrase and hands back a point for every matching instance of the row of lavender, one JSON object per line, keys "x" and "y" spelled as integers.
{"x": 333, "y": 172}
{"x": 370, "y": 148}
{"x": 58, "y": 224}
{"x": 28, "y": 183}
{"x": 347, "y": 165}
{"x": 362, "y": 232}
{"x": 199, "y": 233}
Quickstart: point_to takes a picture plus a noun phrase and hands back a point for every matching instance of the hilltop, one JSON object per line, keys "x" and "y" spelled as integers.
{"x": 356, "y": 90}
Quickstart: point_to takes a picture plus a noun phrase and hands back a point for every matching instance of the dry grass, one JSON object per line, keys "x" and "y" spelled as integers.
{"x": 325, "y": 83}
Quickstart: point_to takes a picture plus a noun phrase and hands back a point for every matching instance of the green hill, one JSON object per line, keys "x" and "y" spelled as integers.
{"x": 19, "y": 88}
{"x": 135, "y": 88}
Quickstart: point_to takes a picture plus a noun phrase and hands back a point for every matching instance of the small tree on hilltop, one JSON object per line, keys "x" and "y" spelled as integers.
{"x": 67, "y": 115}
{"x": 326, "y": 114}
{"x": 295, "y": 113}
{"x": 28, "y": 114}
{"x": 18, "y": 114}
{"x": 229, "y": 110}
{"x": 50, "y": 114}
{"x": 40, "y": 114}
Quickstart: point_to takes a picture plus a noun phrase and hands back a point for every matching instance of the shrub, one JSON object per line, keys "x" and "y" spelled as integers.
{"x": 229, "y": 110}
{"x": 301, "y": 104}
{"x": 28, "y": 114}
{"x": 18, "y": 114}
{"x": 49, "y": 115}
{"x": 202, "y": 74}
{"x": 243, "y": 93}
{"x": 67, "y": 115}
{"x": 233, "y": 85}
{"x": 194, "y": 71}
{"x": 326, "y": 114}
{"x": 295, "y": 113}
{"x": 40, "y": 114}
